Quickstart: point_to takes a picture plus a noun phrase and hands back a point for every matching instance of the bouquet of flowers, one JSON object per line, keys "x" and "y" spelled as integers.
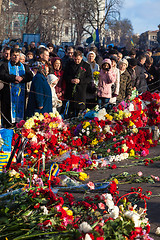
{"x": 96, "y": 77}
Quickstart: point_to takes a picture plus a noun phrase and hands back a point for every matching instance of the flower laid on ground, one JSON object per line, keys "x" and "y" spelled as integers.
{"x": 56, "y": 148}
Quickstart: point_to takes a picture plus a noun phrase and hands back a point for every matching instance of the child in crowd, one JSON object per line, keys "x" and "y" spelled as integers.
{"x": 106, "y": 78}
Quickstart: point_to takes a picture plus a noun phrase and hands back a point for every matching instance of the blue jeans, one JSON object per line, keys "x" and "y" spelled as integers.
{"x": 103, "y": 102}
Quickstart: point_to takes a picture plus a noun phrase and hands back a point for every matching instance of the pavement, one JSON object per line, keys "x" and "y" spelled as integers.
{"x": 153, "y": 205}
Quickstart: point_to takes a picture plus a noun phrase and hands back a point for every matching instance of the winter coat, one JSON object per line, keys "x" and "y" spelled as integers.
{"x": 83, "y": 72}
{"x": 39, "y": 96}
{"x": 106, "y": 79}
{"x": 125, "y": 86}
{"x": 141, "y": 83}
{"x": 61, "y": 85}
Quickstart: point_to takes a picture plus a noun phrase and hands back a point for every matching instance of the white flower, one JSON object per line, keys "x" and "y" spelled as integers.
{"x": 96, "y": 108}
{"x": 83, "y": 130}
{"x": 101, "y": 114}
{"x": 107, "y": 128}
{"x": 135, "y": 217}
{"x": 85, "y": 227}
{"x": 111, "y": 158}
{"x": 45, "y": 210}
{"x": 12, "y": 173}
{"x": 114, "y": 212}
{"x": 87, "y": 133}
{"x": 158, "y": 231}
{"x": 34, "y": 139}
{"x": 87, "y": 237}
{"x": 109, "y": 203}
{"x": 117, "y": 158}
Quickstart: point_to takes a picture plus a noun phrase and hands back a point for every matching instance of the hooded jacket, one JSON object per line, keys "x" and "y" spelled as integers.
{"x": 106, "y": 79}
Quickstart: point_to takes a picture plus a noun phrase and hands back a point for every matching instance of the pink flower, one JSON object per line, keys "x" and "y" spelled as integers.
{"x": 156, "y": 178}
{"x": 145, "y": 152}
{"x": 91, "y": 185}
{"x": 140, "y": 174}
{"x": 108, "y": 150}
{"x": 101, "y": 206}
{"x": 114, "y": 139}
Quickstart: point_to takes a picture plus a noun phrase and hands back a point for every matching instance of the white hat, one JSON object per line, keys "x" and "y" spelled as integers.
{"x": 123, "y": 61}
{"x": 91, "y": 52}
{"x": 52, "y": 78}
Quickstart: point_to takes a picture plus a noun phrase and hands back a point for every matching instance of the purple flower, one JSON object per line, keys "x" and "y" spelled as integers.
{"x": 78, "y": 129}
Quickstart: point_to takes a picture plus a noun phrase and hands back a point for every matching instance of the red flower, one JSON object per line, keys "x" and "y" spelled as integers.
{"x": 114, "y": 166}
{"x": 37, "y": 205}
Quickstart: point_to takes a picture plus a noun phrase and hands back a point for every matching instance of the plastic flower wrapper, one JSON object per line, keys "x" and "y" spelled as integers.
{"x": 96, "y": 78}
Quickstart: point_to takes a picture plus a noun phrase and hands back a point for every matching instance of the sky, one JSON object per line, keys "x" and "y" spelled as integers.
{"x": 143, "y": 14}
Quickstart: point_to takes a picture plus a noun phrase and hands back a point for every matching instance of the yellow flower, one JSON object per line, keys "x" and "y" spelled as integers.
{"x": 83, "y": 176}
{"x": 41, "y": 117}
{"x": 109, "y": 117}
{"x": 61, "y": 152}
{"x": 94, "y": 142}
{"x": 115, "y": 180}
{"x": 124, "y": 147}
{"x": 35, "y": 151}
{"x": 68, "y": 211}
{"x": 31, "y": 169}
{"x": 131, "y": 123}
{"x": 31, "y": 135}
{"x": 86, "y": 124}
{"x": 134, "y": 130}
{"x": 127, "y": 114}
{"x": 53, "y": 125}
{"x": 150, "y": 141}
{"x": 95, "y": 73}
{"x": 132, "y": 153}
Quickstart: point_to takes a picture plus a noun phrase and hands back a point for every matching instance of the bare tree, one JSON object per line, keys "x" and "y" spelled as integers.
{"x": 122, "y": 31}
{"x": 93, "y": 14}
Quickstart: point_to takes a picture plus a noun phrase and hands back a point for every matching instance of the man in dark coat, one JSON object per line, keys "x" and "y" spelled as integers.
{"x": 141, "y": 82}
{"x": 68, "y": 56}
{"x": 77, "y": 75}
{"x": 13, "y": 74}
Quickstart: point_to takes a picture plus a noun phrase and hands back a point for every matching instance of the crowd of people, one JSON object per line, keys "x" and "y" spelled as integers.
{"x": 44, "y": 79}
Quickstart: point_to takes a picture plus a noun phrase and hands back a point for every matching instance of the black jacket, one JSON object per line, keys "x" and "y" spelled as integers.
{"x": 81, "y": 71}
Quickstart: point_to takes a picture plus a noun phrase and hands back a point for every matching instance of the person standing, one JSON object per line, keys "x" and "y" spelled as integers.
{"x": 92, "y": 88}
{"x": 68, "y": 56}
{"x": 77, "y": 75}
{"x": 14, "y": 75}
{"x": 5, "y": 55}
{"x": 141, "y": 81}
{"x": 125, "y": 90}
{"x": 40, "y": 96}
{"x": 106, "y": 78}
{"x": 115, "y": 86}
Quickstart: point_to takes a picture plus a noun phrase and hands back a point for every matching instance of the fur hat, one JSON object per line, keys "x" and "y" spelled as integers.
{"x": 123, "y": 61}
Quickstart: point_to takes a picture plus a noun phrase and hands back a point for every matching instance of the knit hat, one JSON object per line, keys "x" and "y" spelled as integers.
{"x": 132, "y": 62}
{"x": 91, "y": 52}
{"x": 123, "y": 61}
